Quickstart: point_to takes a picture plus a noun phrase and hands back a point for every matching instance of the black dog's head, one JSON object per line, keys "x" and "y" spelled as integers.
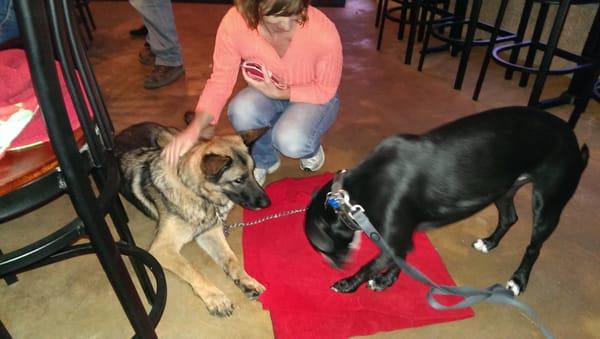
{"x": 326, "y": 232}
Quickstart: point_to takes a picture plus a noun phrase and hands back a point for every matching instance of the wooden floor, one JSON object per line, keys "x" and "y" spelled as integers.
{"x": 380, "y": 96}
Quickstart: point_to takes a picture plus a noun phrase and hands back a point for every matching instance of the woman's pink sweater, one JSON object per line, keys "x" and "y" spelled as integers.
{"x": 311, "y": 66}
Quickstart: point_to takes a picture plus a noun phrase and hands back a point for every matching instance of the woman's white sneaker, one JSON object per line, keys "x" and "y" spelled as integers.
{"x": 313, "y": 163}
{"x": 260, "y": 174}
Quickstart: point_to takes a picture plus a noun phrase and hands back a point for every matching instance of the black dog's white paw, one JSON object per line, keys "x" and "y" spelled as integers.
{"x": 481, "y": 246}
{"x": 345, "y": 285}
{"x": 514, "y": 287}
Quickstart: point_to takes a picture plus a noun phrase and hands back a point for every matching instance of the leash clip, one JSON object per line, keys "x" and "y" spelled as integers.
{"x": 339, "y": 200}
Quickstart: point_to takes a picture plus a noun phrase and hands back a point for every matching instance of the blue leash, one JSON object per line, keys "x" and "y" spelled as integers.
{"x": 355, "y": 218}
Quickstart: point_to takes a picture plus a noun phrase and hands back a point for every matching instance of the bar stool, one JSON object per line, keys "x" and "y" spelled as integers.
{"x": 406, "y": 8}
{"x": 587, "y": 63}
{"x": 455, "y": 40}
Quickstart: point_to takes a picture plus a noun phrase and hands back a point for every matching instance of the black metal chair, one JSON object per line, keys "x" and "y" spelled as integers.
{"x": 88, "y": 174}
{"x": 586, "y": 67}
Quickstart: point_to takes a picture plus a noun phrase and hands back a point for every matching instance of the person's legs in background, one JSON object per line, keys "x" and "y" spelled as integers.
{"x": 296, "y": 129}
{"x": 162, "y": 43}
{"x": 9, "y": 29}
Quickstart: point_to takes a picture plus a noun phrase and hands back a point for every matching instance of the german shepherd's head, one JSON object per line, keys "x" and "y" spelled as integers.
{"x": 227, "y": 170}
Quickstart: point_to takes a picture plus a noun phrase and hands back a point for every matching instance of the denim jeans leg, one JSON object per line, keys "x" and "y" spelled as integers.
{"x": 9, "y": 29}
{"x": 162, "y": 33}
{"x": 297, "y": 133}
{"x": 251, "y": 109}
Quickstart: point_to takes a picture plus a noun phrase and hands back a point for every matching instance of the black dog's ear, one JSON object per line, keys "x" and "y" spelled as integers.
{"x": 251, "y": 135}
{"x": 188, "y": 117}
{"x": 213, "y": 165}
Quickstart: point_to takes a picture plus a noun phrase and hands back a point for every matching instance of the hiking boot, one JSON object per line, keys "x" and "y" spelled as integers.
{"x": 162, "y": 75}
{"x": 146, "y": 57}
{"x": 260, "y": 174}
{"x": 313, "y": 163}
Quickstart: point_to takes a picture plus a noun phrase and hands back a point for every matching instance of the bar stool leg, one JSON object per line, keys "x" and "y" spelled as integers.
{"x": 490, "y": 48}
{"x": 379, "y": 12}
{"x": 535, "y": 39}
{"x": 381, "y": 24}
{"x": 414, "y": 13}
{"x": 425, "y": 45}
{"x": 540, "y": 80}
{"x": 464, "y": 57}
{"x": 514, "y": 55}
{"x": 403, "y": 19}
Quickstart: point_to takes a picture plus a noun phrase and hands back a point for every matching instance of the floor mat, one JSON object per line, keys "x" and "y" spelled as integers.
{"x": 298, "y": 280}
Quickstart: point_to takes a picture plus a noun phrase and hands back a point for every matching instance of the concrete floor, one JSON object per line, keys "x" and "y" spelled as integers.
{"x": 380, "y": 96}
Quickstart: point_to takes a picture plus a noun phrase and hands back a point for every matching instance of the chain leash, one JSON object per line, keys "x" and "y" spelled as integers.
{"x": 229, "y": 227}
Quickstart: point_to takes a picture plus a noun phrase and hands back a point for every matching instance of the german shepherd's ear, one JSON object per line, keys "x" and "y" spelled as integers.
{"x": 251, "y": 135}
{"x": 188, "y": 117}
{"x": 213, "y": 165}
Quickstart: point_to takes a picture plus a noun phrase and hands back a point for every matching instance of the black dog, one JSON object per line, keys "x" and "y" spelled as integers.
{"x": 412, "y": 182}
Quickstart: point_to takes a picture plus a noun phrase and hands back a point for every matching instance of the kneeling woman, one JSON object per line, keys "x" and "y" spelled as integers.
{"x": 291, "y": 57}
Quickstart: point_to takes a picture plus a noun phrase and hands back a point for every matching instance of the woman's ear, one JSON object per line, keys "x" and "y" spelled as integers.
{"x": 251, "y": 135}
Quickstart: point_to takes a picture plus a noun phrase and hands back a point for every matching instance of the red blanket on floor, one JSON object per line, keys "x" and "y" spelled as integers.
{"x": 298, "y": 280}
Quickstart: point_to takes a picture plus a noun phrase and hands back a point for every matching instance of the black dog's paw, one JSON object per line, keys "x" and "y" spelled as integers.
{"x": 484, "y": 245}
{"x": 346, "y": 285}
{"x": 517, "y": 284}
{"x": 381, "y": 282}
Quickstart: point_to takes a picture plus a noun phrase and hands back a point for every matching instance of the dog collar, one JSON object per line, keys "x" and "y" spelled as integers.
{"x": 339, "y": 200}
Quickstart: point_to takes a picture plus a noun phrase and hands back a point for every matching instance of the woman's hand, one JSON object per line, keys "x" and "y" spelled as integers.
{"x": 183, "y": 141}
{"x": 266, "y": 86}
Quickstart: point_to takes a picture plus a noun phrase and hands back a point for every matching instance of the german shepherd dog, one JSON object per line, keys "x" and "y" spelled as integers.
{"x": 192, "y": 201}
{"x": 412, "y": 182}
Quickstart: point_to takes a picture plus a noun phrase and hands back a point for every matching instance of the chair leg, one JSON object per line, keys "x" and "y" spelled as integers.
{"x": 514, "y": 54}
{"x": 381, "y": 24}
{"x": 425, "y": 45}
{"x": 464, "y": 57}
{"x": 125, "y": 234}
{"x": 378, "y": 12}
{"x": 114, "y": 267}
{"x": 10, "y": 279}
{"x": 86, "y": 5}
{"x": 414, "y": 13}
{"x": 535, "y": 39}
{"x": 540, "y": 79}
{"x": 4, "y": 332}
{"x": 403, "y": 19}
{"x": 490, "y": 48}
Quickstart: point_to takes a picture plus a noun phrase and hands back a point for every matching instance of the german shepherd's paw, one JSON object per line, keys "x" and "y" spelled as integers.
{"x": 251, "y": 288}
{"x": 218, "y": 304}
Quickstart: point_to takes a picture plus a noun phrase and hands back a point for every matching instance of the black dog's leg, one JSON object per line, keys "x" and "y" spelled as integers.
{"x": 385, "y": 279}
{"x": 367, "y": 272}
{"x": 546, "y": 213}
{"x": 507, "y": 216}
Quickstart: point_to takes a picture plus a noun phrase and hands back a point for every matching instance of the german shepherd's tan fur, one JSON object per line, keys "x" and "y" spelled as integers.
{"x": 191, "y": 201}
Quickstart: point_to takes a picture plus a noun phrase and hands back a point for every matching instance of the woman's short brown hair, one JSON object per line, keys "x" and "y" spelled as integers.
{"x": 253, "y": 10}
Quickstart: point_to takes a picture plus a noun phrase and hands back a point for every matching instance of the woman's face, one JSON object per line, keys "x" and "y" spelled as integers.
{"x": 280, "y": 24}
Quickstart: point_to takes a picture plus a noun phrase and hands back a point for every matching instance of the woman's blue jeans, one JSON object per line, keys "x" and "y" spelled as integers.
{"x": 296, "y": 127}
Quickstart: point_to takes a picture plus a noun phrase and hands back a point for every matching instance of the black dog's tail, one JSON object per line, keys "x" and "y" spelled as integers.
{"x": 585, "y": 155}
